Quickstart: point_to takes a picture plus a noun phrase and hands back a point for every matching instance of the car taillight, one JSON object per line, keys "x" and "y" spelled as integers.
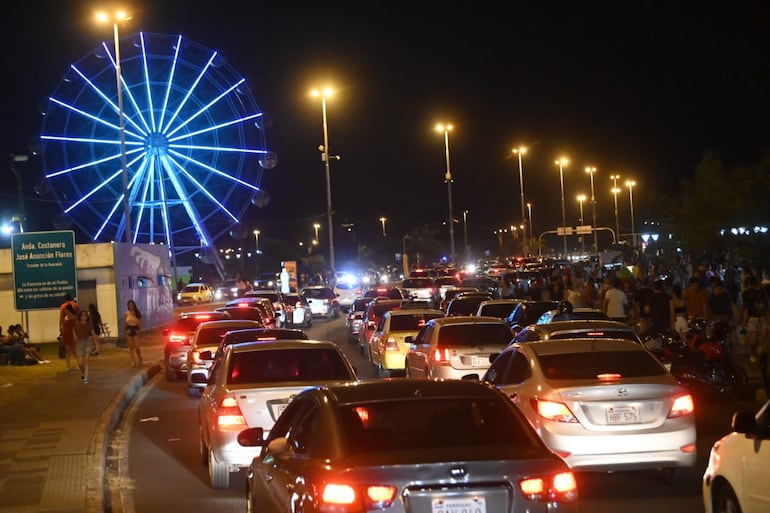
{"x": 683, "y": 405}
{"x": 229, "y": 413}
{"x": 298, "y": 304}
{"x": 370, "y": 496}
{"x": 178, "y": 338}
{"x": 391, "y": 344}
{"x": 552, "y": 410}
{"x": 441, "y": 354}
{"x": 557, "y": 488}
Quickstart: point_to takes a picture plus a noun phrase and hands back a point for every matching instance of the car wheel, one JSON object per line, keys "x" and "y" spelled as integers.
{"x": 194, "y": 392}
{"x": 218, "y": 473}
{"x": 170, "y": 374}
{"x": 724, "y": 500}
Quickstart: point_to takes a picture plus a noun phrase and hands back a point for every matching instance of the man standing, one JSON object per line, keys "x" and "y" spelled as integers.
{"x": 695, "y": 300}
{"x": 658, "y": 308}
{"x": 615, "y": 302}
{"x": 754, "y": 317}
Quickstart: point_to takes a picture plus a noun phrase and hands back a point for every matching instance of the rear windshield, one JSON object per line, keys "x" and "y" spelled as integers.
{"x": 403, "y": 430}
{"x": 501, "y": 310}
{"x": 360, "y": 305}
{"x": 318, "y": 293}
{"x": 466, "y": 306}
{"x": 410, "y": 322}
{"x": 627, "y": 335}
{"x": 589, "y": 365}
{"x": 275, "y": 365}
{"x": 417, "y": 283}
{"x": 379, "y": 309}
{"x": 474, "y": 335}
{"x": 192, "y": 322}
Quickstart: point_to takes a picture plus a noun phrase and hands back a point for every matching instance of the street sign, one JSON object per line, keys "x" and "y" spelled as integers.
{"x": 44, "y": 269}
{"x": 584, "y": 230}
{"x": 564, "y": 230}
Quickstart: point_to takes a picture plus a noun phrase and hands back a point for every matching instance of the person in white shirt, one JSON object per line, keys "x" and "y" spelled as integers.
{"x": 615, "y": 302}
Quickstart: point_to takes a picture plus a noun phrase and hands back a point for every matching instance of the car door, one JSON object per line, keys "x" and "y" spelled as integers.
{"x": 417, "y": 358}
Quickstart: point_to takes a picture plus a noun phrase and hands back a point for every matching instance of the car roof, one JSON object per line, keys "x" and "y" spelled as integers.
{"x": 226, "y": 323}
{"x": 467, "y": 319}
{"x": 580, "y": 324}
{"x": 190, "y": 313}
{"x": 580, "y": 345}
{"x": 378, "y": 390}
{"x": 413, "y": 311}
{"x": 259, "y": 345}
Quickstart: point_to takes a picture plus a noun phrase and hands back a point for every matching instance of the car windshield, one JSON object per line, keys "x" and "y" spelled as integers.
{"x": 210, "y": 336}
{"x": 191, "y": 288}
{"x": 476, "y": 334}
{"x": 379, "y": 309}
{"x": 398, "y": 429}
{"x": 411, "y": 322}
{"x": 592, "y": 364}
{"x": 501, "y": 310}
{"x": 278, "y": 365}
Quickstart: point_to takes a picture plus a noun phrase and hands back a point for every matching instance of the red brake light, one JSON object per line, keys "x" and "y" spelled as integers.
{"x": 683, "y": 405}
{"x": 178, "y": 338}
{"x": 243, "y": 305}
{"x": 202, "y": 317}
{"x": 229, "y": 413}
{"x": 372, "y": 496}
{"x": 557, "y": 488}
{"x": 441, "y": 354}
{"x": 554, "y": 411}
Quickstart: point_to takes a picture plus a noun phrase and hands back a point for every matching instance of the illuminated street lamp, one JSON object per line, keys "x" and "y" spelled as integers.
{"x": 465, "y": 238}
{"x": 521, "y": 150}
{"x": 115, "y": 18}
{"x": 448, "y": 179}
{"x": 591, "y": 170}
{"x": 561, "y": 162}
{"x": 581, "y": 198}
{"x": 630, "y": 184}
{"x": 256, "y": 240}
{"x": 529, "y": 217}
{"x": 615, "y": 192}
{"x": 383, "y": 220}
{"x": 316, "y": 227}
{"x": 325, "y": 93}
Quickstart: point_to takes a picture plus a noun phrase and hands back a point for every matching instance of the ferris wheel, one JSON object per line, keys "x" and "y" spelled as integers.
{"x": 194, "y": 148}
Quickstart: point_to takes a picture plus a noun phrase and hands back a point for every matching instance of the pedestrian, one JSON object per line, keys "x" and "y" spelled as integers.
{"x": 68, "y": 312}
{"x": 754, "y": 317}
{"x": 96, "y": 322}
{"x": 658, "y": 308}
{"x": 695, "y": 300}
{"x": 679, "y": 311}
{"x": 615, "y": 302}
{"x": 83, "y": 332}
{"x": 132, "y": 320}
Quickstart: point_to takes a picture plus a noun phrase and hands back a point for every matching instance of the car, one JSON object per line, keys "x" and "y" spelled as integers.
{"x": 420, "y": 289}
{"x": 735, "y": 480}
{"x": 483, "y": 284}
{"x": 442, "y": 284}
{"x": 501, "y": 308}
{"x": 405, "y": 446}
{"x": 322, "y": 300}
{"x": 385, "y": 292}
{"x": 371, "y": 320}
{"x": 178, "y": 338}
{"x": 246, "y": 312}
{"x": 276, "y": 298}
{"x": 250, "y": 384}
{"x": 265, "y": 304}
{"x": 347, "y": 290}
{"x": 296, "y": 310}
{"x": 195, "y": 294}
{"x": 207, "y": 338}
{"x": 602, "y": 404}
{"x": 466, "y": 303}
{"x": 528, "y": 312}
{"x": 253, "y": 335}
{"x": 572, "y": 314}
{"x": 452, "y": 347}
{"x": 266, "y": 281}
{"x": 231, "y": 289}
{"x": 388, "y": 347}
{"x": 451, "y": 292}
{"x": 354, "y": 319}
{"x": 577, "y": 329}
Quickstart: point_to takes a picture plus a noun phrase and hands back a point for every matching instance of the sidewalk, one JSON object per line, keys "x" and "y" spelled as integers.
{"x": 55, "y": 430}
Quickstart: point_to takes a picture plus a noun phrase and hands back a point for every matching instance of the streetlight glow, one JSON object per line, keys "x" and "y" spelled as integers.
{"x": 324, "y": 94}
{"x": 440, "y": 127}
{"x": 256, "y": 238}
{"x": 591, "y": 170}
{"x": 521, "y": 150}
{"x": 615, "y": 192}
{"x": 383, "y": 220}
{"x": 581, "y": 198}
{"x": 631, "y": 184}
{"x": 561, "y": 162}
{"x": 118, "y": 17}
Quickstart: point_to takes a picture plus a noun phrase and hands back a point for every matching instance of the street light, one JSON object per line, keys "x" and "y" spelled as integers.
{"x": 615, "y": 192}
{"x": 521, "y": 150}
{"x": 448, "y": 179}
{"x": 529, "y": 216}
{"x": 591, "y": 170}
{"x": 325, "y": 93}
{"x": 316, "y": 227}
{"x": 256, "y": 240}
{"x": 561, "y": 162}
{"x": 117, "y": 17}
{"x": 630, "y": 184}
{"x": 581, "y": 198}
{"x": 465, "y": 237}
{"x": 383, "y": 220}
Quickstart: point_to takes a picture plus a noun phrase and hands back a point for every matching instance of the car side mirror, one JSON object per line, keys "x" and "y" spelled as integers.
{"x": 409, "y": 340}
{"x": 252, "y": 437}
{"x": 744, "y": 422}
{"x": 206, "y": 355}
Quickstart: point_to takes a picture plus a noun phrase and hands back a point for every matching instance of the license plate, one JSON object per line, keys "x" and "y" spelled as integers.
{"x": 480, "y": 361}
{"x": 299, "y": 315}
{"x": 623, "y": 415}
{"x": 278, "y": 409}
{"x": 459, "y": 505}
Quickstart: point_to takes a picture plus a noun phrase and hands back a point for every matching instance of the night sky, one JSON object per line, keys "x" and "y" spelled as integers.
{"x": 640, "y": 89}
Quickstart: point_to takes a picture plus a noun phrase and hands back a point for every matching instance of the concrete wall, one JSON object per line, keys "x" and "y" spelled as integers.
{"x": 109, "y": 274}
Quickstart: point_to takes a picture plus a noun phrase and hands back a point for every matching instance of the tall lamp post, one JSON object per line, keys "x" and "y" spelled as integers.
{"x": 383, "y": 220}
{"x": 256, "y": 241}
{"x": 316, "y": 227}
{"x": 529, "y": 217}
{"x": 521, "y": 150}
{"x": 465, "y": 237}
{"x": 561, "y": 162}
{"x": 117, "y": 17}
{"x": 630, "y": 184}
{"x": 325, "y": 93}
{"x": 615, "y": 192}
{"x": 448, "y": 179}
{"x": 581, "y": 198}
{"x": 591, "y": 170}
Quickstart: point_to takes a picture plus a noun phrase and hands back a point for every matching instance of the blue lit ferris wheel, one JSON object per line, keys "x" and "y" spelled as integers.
{"x": 195, "y": 147}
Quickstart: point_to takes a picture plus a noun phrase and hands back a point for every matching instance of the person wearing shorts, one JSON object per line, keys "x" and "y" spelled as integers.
{"x": 83, "y": 331}
{"x": 132, "y": 321}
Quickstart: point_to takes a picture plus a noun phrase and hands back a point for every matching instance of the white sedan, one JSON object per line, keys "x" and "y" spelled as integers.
{"x": 738, "y": 470}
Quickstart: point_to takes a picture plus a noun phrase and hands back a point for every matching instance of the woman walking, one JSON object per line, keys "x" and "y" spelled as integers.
{"x": 132, "y": 320}
{"x": 83, "y": 331}
{"x": 96, "y": 321}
